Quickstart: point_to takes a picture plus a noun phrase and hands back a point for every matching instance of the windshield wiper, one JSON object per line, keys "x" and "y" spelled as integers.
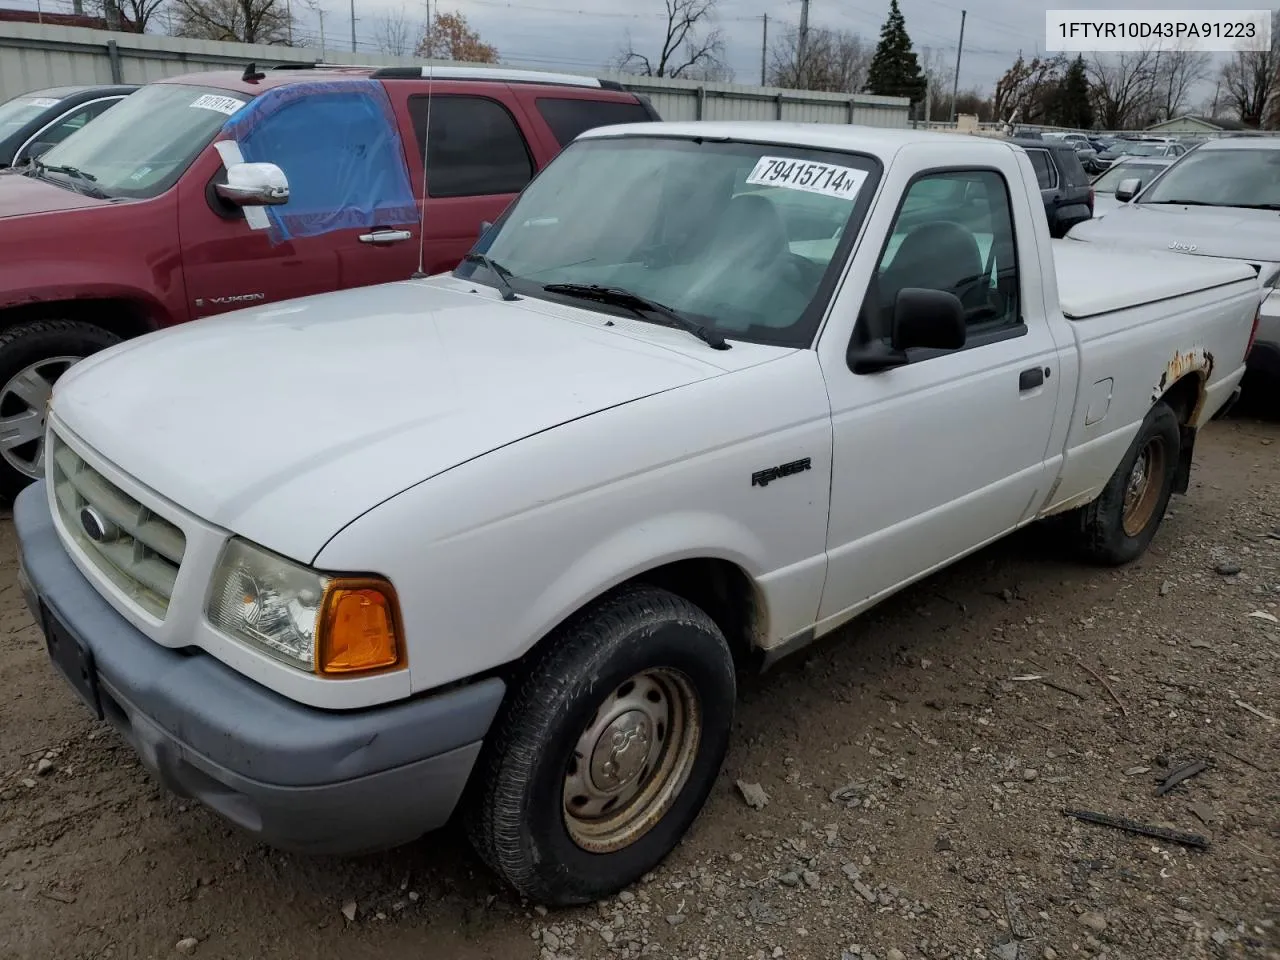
{"x": 1190, "y": 203}
{"x": 40, "y": 168}
{"x": 498, "y": 270}
{"x": 640, "y": 305}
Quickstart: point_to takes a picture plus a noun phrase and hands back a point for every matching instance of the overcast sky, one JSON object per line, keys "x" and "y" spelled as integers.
{"x": 585, "y": 34}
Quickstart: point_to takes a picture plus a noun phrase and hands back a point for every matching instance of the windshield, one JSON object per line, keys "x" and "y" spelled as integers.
{"x": 141, "y": 146}
{"x": 1222, "y": 178}
{"x": 736, "y": 236}
{"x": 20, "y": 110}
{"x": 1108, "y": 182}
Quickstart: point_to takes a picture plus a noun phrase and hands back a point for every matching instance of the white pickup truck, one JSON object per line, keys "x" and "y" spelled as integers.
{"x": 498, "y": 540}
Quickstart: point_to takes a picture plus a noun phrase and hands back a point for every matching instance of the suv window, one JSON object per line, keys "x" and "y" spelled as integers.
{"x": 964, "y": 246}
{"x": 567, "y": 118}
{"x": 1046, "y": 175}
{"x": 474, "y": 146}
{"x": 1071, "y": 167}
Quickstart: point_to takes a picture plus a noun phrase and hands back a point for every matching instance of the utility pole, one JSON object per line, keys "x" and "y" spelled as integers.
{"x": 955, "y": 84}
{"x": 353, "y": 26}
{"x": 764, "y": 47}
{"x": 802, "y": 45}
{"x": 288, "y": 17}
{"x": 320, "y": 14}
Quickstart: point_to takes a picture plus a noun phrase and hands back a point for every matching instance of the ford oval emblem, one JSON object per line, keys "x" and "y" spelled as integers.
{"x": 96, "y": 527}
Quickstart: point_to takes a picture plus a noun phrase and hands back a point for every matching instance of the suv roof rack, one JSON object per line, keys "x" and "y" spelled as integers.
{"x": 499, "y": 74}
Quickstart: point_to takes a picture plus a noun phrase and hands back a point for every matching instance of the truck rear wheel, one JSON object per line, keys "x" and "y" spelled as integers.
{"x": 1118, "y": 526}
{"x": 606, "y": 749}
{"x": 32, "y": 357}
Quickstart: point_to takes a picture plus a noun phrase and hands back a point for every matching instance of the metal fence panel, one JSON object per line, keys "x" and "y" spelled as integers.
{"x": 33, "y": 56}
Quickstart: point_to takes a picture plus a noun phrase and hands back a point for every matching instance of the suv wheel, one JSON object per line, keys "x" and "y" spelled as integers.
{"x": 32, "y": 358}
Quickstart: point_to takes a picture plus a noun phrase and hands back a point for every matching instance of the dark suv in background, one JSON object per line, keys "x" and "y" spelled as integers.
{"x": 1064, "y": 186}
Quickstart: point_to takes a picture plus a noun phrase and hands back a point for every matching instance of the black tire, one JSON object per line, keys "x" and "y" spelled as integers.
{"x": 22, "y": 346}
{"x": 517, "y": 814}
{"x": 1098, "y": 529}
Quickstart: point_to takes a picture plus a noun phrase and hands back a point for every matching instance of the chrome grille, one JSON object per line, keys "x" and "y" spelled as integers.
{"x": 137, "y": 550}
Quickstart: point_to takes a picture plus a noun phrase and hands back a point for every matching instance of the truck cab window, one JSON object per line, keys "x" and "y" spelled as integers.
{"x": 953, "y": 232}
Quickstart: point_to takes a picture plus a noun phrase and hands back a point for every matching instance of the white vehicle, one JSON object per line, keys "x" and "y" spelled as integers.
{"x": 705, "y": 393}
{"x": 1107, "y": 187}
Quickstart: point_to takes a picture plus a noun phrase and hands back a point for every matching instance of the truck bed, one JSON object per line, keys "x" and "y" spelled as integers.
{"x": 1095, "y": 279}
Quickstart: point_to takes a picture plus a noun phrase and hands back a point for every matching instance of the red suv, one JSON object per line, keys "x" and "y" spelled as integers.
{"x": 212, "y": 191}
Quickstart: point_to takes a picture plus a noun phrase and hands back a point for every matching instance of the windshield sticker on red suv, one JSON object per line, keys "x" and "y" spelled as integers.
{"x": 209, "y": 101}
{"x": 827, "y": 179}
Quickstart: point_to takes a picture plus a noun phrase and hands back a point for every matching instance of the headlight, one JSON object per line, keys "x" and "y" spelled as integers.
{"x": 333, "y": 626}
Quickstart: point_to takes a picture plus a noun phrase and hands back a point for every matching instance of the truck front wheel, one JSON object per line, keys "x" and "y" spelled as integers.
{"x": 607, "y": 748}
{"x": 32, "y": 357}
{"x": 1117, "y": 527}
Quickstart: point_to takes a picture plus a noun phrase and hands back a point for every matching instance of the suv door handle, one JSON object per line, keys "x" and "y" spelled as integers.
{"x": 385, "y": 236}
{"x": 1030, "y": 379}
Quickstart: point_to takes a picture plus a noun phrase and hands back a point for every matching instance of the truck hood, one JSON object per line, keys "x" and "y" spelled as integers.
{"x": 1252, "y": 235}
{"x": 22, "y": 195}
{"x": 284, "y": 424}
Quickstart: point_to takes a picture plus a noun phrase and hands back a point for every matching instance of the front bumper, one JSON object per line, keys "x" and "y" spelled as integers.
{"x": 299, "y": 778}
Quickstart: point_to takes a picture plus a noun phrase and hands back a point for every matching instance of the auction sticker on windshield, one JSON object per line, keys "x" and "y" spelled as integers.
{"x": 227, "y": 105}
{"x": 828, "y": 179}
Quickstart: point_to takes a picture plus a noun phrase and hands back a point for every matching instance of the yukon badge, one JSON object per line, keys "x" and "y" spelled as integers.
{"x": 1180, "y": 247}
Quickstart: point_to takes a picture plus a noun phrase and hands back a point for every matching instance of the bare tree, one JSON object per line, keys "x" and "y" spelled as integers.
{"x": 693, "y": 46}
{"x": 1023, "y": 93}
{"x": 1249, "y": 83}
{"x": 934, "y": 67}
{"x": 396, "y": 34}
{"x": 248, "y": 21}
{"x": 1123, "y": 89}
{"x": 1177, "y": 73}
{"x": 835, "y": 61}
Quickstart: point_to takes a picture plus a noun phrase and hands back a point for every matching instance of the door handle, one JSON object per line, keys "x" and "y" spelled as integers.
{"x": 385, "y": 236}
{"x": 1030, "y": 379}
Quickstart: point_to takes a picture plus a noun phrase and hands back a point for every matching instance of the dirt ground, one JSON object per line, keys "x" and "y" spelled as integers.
{"x": 915, "y": 770}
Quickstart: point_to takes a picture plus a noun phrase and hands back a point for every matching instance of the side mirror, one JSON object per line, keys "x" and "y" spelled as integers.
{"x": 254, "y": 184}
{"x": 1126, "y": 190}
{"x": 922, "y": 319}
{"x": 35, "y": 150}
{"x": 927, "y": 319}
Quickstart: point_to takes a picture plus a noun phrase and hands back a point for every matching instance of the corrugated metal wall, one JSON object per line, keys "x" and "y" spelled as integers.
{"x": 33, "y": 56}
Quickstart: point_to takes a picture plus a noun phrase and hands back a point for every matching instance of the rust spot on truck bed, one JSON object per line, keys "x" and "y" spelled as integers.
{"x": 1196, "y": 360}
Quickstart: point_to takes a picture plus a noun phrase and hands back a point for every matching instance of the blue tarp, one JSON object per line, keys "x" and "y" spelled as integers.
{"x": 339, "y": 145}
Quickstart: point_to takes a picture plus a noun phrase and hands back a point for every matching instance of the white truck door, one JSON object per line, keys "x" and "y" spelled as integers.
{"x": 937, "y": 457}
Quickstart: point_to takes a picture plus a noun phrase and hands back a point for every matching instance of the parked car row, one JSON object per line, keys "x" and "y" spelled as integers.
{"x": 32, "y": 123}
{"x": 181, "y": 208}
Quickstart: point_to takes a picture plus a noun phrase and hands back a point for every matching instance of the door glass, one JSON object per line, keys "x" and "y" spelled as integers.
{"x": 474, "y": 146}
{"x": 1046, "y": 176}
{"x": 962, "y": 244}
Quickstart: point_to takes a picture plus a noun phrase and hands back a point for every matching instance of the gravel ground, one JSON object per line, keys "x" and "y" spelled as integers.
{"x": 915, "y": 768}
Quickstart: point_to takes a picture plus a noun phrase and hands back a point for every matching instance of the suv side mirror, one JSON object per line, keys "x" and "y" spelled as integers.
{"x": 36, "y": 149}
{"x": 922, "y": 319}
{"x": 254, "y": 184}
{"x": 1126, "y": 190}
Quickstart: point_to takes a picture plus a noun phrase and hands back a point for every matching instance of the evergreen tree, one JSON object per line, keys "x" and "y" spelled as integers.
{"x": 895, "y": 71}
{"x": 1070, "y": 105}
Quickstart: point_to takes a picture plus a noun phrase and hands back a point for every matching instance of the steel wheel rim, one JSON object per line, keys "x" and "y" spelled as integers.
{"x": 632, "y": 760}
{"x": 1142, "y": 490}
{"x": 24, "y": 401}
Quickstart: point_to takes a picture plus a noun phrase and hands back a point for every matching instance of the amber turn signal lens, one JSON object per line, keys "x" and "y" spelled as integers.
{"x": 359, "y": 629}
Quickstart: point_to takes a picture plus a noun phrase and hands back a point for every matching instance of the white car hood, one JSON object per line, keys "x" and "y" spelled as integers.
{"x": 1252, "y": 235}
{"x": 284, "y": 424}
